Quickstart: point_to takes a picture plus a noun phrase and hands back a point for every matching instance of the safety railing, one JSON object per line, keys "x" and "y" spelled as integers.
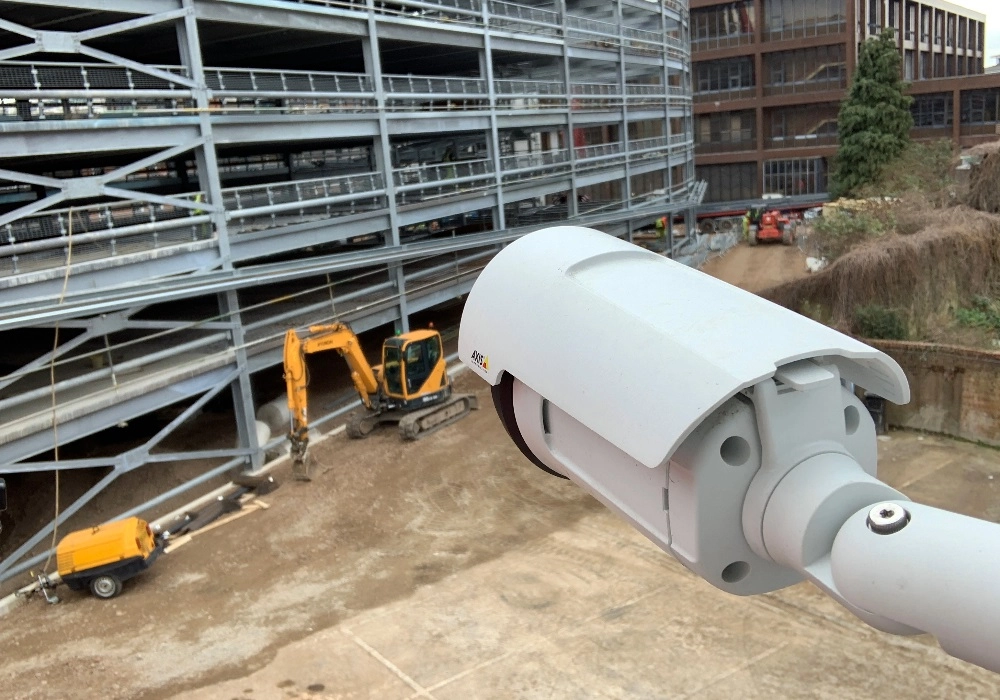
{"x": 524, "y": 19}
{"x": 422, "y": 182}
{"x": 434, "y": 93}
{"x": 42, "y": 241}
{"x": 601, "y": 150}
{"x": 47, "y": 76}
{"x": 261, "y": 207}
{"x": 433, "y": 85}
{"x": 642, "y": 41}
{"x": 591, "y": 96}
{"x": 465, "y": 11}
{"x": 132, "y": 226}
{"x": 646, "y": 144}
{"x": 645, "y": 89}
{"x": 530, "y": 94}
{"x": 120, "y": 214}
{"x": 229, "y": 80}
{"x": 646, "y": 95}
{"x": 35, "y": 91}
{"x": 677, "y": 48}
{"x": 257, "y": 91}
{"x": 677, "y": 6}
{"x": 525, "y": 166}
{"x": 591, "y": 33}
{"x": 98, "y": 105}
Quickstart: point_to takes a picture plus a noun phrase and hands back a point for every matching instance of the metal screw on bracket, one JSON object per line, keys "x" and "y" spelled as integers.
{"x": 887, "y": 518}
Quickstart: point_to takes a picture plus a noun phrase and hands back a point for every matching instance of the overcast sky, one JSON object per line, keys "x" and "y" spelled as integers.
{"x": 992, "y": 10}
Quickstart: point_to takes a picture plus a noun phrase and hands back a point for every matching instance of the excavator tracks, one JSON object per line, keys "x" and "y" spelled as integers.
{"x": 418, "y": 424}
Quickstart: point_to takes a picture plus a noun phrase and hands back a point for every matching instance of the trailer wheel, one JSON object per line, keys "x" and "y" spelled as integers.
{"x": 106, "y": 586}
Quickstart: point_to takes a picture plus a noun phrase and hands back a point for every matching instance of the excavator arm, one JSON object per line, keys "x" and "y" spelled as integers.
{"x": 337, "y": 337}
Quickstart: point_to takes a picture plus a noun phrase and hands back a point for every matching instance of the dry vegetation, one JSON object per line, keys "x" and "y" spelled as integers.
{"x": 933, "y": 269}
{"x": 984, "y": 186}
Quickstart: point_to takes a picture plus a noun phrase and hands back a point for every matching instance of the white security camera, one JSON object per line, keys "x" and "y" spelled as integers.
{"x": 719, "y": 425}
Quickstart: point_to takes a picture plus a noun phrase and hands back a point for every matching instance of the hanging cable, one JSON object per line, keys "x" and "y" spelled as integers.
{"x": 52, "y": 384}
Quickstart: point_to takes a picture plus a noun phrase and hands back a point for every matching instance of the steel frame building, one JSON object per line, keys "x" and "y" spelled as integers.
{"x": 183, "y": 180}
{"x": 769, "y": 76}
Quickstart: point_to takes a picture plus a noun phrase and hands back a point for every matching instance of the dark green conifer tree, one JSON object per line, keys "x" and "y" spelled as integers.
{"x": 875, "y": 120}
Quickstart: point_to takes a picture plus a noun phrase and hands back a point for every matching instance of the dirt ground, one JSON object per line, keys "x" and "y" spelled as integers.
{"x": 452, "y": 568}
{"x": 759, "y": 267}
{"x": 407, "y": 560}
{"x": 380, "y": 519}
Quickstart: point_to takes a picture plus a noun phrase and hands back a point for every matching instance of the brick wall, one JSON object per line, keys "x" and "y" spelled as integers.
{"x": 954, "y": 390}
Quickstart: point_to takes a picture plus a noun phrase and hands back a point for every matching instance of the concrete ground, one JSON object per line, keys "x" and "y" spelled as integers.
{"x": 592, "y": 610}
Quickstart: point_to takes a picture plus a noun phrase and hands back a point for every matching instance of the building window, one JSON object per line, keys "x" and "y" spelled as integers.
{"x": 804, "y": 126}
{"x": 727, "y": 183}
{"x": 792, "y": 19}
{"x": 731, "y": 24}
{"x": 729, "y": 74}
{"x": 726, "y": 131}
{"x": 932, "y": 111}
{"x": 980, "y": 106}
{"x": 805, "y": 70}
{"x": 795, "y": 177}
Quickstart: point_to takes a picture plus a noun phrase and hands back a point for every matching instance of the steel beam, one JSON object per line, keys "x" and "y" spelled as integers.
{"x": 203, "y": 268}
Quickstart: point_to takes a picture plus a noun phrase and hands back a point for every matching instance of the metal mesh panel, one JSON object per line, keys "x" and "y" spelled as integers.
{"x": 15, "y": 76}
{"x": 111, "y": 77}
{"x": 90, "y": 219}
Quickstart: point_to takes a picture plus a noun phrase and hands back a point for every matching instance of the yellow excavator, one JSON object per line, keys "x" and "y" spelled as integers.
{"x": 411, "y": 387}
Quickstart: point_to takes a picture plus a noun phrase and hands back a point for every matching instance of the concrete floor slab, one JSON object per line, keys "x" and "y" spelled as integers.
{"x": 579, "y": 615}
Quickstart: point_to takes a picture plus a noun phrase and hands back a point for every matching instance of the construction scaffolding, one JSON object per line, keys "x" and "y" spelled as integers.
{"x": 183, "y": 180}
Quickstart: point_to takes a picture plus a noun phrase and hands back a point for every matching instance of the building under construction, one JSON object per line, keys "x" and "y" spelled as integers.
{"x": 184, "y": 180}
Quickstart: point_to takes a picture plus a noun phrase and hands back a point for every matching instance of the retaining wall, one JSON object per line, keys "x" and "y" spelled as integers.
{"x": 954, "y": 390}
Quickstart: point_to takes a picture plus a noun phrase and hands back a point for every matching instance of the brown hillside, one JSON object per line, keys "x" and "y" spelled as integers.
{"x": 924, "y": 276}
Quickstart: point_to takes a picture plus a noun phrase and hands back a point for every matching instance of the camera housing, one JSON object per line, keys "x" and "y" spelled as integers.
{"x": 677, "y": 400}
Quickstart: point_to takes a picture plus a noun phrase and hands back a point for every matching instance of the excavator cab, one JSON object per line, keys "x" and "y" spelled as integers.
{"x": 413, "y": 366}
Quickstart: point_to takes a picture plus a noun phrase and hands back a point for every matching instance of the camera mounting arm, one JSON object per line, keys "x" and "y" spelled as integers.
{"x": 718, "y": 424}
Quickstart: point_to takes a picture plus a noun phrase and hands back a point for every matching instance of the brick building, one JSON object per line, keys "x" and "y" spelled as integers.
{"x": 769, "y": 76}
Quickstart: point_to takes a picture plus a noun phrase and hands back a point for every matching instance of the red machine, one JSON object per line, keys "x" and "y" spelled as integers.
{"x": 774, "y": 226}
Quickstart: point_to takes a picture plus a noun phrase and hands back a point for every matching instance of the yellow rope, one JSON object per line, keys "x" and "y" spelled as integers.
{"x": 52, "y": 384}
